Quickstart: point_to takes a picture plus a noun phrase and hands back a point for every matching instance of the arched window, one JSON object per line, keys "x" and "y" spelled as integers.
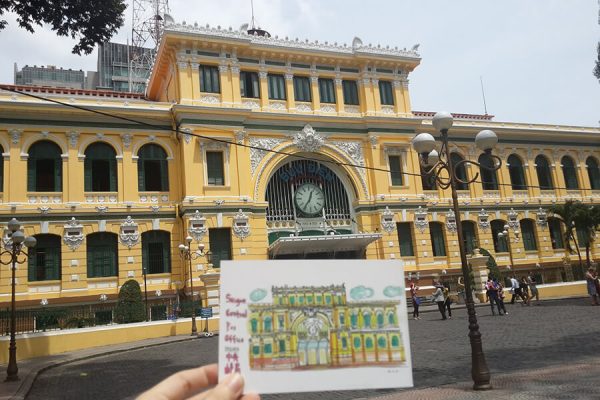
{"x": 381, "y": 342}
{"x": 380, "y": 320}
{"x": 44, "y": 167}
{"x": 569, "y": 172}
{"x": 367, "y": 319}
{"x": 461, "y": 171}
{"x": 528, "y": 234}
{"x": 156, "y": 252}
{"x": 267, "y": 323}
{"x": 469, "y": 235}
{"x": 428, "y": 180}
{"x": 254, "y": 325}
{"x": 153, "y": 172}
{"x": 369, "y": 343}
{"x": 100, "y": 168}
{"x": 516, "y": 172}
{"x": 500, "y": 245}
{"x": 556, "y": 233}
{"x": 438, "y": 244}
{"x": 489, "y": 178}
{"x": 395, "y": 341}
{"x": 44, "y": 261}
{"x": 593, "y": 172}
{"x": 542, "y": 168}
{"x": 102, "y": 254}
{"x": 357, "y": 342}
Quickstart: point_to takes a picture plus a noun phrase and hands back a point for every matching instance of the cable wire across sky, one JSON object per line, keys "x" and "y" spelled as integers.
{"x": 234, "y": 143}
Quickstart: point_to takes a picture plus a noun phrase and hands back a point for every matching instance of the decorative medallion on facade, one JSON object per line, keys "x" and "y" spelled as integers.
{"x": 542, "y": 218}
{"x": 240, "y": 136}
{"x": 421, "y": 219}
{"x": 197, "y": 226}
{"x": 73, "y": 235}
{"x": 513, "y": 219}
{"x": 187, "y": 135}
{"x": 259, "y": 149}
{"x": 6, "y": 239}
{"x": 484, "y": 220}
{"x": 73, "y": 136}
{"x": 451, "y": 221}
{"x": 129, "y": 234}
{"x": 241, "y": 227}
{"x": 126, "y": 137}
{"x": 15, "y": 135}
{"x": 388, "y": 224}
{"x": 308, "y": 139}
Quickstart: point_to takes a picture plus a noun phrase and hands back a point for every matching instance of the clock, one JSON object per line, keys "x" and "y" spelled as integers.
{"x": 309, "y": 199}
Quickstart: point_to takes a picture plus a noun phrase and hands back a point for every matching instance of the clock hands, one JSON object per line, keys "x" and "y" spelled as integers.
{"x": 309, "y": 198}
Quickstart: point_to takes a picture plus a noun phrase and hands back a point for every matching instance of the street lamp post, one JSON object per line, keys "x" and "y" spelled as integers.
{"x": 187, "y": 254}
{"x": 506, "y": 236}
{"x": 18, "y": 240}
{"x": 441, "y": 167}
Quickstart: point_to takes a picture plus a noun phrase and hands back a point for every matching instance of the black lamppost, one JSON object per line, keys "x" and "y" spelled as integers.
{"x": 18, "y": 239}
{"x": 187, "y": 254}
{"x": 440, "y": 166}
{"x": 505, "y": 235}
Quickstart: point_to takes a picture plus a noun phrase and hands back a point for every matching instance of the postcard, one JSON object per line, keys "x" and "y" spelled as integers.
{"x": 314, "y": 325}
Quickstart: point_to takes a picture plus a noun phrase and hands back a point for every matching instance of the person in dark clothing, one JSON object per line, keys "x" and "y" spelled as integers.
{"x": 447, "y": 299}
{"x": 438, "y": 298}
{"x": 492, "y": 292}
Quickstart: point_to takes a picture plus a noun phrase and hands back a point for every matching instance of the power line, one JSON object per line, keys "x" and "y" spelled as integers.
{"x": 234, "y": 143}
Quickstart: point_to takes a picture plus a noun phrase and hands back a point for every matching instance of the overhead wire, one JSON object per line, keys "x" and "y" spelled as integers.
{"x": 177, "y": 130}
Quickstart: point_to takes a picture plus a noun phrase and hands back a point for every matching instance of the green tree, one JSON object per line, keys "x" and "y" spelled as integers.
{"x": 91, "y": 22}
{"x": 130, "y": 307}
{"x": 587, "y": 221}
{"x": 568, "y": 213}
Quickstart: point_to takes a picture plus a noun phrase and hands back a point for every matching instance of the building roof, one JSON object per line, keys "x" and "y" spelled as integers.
{"x": 479, "y": 117}
{"x": 74, "y": 92}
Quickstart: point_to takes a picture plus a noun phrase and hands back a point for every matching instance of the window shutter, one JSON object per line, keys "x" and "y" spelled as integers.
{"x": 141, "y": 175}
{"x": 31, "y": 174}
{"x": 166, "y": 252}
{"x": 164, "y": 175}
{"x": 243, "y": 78}
{"x": 255, "y": 85}
{"x": 87, "y": 174}
{"x": 31, "y": 264}
{"x": 58, "y": 174}
{"x": 112, "y": 170}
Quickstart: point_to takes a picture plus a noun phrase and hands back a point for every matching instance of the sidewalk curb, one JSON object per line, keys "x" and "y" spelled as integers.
{"x": 27, "y": 382}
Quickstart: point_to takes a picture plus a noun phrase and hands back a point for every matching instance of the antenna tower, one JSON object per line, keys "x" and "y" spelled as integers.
{"x": 147, "y": 28}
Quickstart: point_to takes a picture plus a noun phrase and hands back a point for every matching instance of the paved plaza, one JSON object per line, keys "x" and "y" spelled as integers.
{"x": 544, "y": 352}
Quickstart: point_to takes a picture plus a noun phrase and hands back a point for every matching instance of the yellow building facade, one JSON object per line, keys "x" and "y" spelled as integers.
{"x": 256, "y": 146}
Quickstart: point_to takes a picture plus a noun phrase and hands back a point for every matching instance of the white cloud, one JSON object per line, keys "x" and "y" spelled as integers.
{"x": 536, "y": 58}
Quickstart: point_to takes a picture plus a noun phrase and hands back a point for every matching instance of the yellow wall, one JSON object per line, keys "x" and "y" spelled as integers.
{"x": 50, "y": 343}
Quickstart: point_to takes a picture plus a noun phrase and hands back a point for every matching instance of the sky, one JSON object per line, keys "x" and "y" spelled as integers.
{"x": 535, "y": 57}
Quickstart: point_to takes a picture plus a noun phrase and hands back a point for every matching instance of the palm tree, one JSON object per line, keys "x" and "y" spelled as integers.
{"x": 566, "y": 213}
{"x": 587, "y": 221}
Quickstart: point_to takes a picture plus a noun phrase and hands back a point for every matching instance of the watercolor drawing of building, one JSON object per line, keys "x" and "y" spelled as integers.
{"x": 315, "y": 327}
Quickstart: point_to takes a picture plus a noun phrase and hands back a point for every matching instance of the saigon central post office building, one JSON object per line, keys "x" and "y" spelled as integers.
{"x": 255, "y": 146}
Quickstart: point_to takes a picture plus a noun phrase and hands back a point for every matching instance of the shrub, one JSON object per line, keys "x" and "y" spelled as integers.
{"x": 130, "y": 307}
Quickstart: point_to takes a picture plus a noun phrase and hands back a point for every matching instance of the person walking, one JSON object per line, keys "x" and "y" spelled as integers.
{"x": 447, "y": 300}
{"x": 533, "y": 288}
{"x": 515, "y": 290}
{"x": 492, "y": 293}
{"x": 415, "y": 300}
{"x": 591, "y": 276}
{"x": 438, "y": 297}
{"x": 525, "y": 291}
{"x": 500, "y": 300}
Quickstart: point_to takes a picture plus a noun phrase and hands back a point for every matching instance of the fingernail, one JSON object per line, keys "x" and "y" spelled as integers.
{"x": 234, "y": 382}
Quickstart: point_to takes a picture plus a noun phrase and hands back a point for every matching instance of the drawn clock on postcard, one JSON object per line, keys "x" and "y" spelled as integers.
{"x": 309, "y": 199}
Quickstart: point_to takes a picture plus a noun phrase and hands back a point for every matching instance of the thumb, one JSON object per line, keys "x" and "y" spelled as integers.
{"x": 230, "y": 389}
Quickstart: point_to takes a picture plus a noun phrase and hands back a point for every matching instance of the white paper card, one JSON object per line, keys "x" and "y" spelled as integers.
{"x": 314, "y": 325}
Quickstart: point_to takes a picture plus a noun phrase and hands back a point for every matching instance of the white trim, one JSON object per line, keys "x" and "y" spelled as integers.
{"x": 93, "y": 139}
{"x": 37, "y": 138}
{"x": 142, "y": 141}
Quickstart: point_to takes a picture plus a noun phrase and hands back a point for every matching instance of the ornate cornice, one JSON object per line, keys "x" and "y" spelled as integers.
{"x": 275, "y": 41}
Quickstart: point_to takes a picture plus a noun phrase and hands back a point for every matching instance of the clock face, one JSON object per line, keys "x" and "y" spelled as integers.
{"x": 309, "y": 199}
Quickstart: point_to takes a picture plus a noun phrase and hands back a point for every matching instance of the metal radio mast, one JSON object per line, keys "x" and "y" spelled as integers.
{"x": 147, "y": 28}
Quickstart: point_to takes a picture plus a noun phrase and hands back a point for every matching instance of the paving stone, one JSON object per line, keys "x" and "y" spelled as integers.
{"x": 556, "y": 335}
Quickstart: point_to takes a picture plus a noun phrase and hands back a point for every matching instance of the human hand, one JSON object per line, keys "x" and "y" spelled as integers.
{"x": 187, "y": 384}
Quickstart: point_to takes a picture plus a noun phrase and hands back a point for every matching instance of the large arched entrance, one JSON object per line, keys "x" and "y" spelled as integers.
{"x": 310, "y": 214}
